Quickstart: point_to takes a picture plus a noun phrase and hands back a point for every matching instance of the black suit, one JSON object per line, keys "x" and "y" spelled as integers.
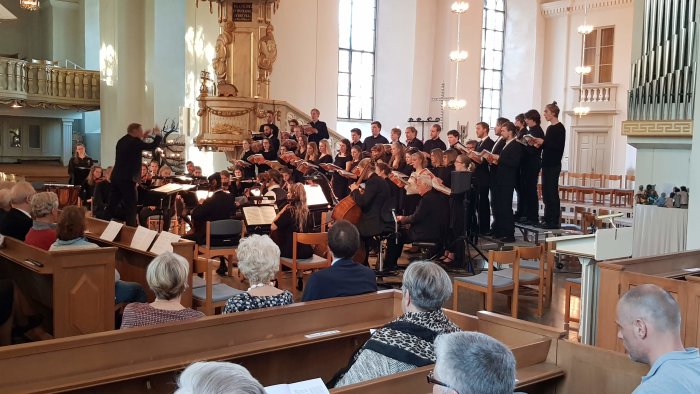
{"x": 125, "y": 175}
{"x": 219, "y": 206}
{"x": 481, "y": 173}
{"x": 15, "y": 224}
{"x": 508, "y": 170}
{"x": 530, "y": 171}
{"x": 322, "y": 131}
{"x": 493, "y": 173}
{"x": 344, "y": 278}
{"x": 428, "y": 223}
{"x": 376, "y": 207}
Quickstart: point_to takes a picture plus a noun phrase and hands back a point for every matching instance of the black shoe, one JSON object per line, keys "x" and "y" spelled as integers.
{"x": 507, "y": 239}
{"x": 551, "y": 226}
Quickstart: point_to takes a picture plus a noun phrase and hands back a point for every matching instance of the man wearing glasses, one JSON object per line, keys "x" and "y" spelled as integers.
{"x": 473, "y": 363}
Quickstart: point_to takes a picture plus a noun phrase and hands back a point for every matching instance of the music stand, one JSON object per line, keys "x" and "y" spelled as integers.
{"x": 168, "y": 190}
{"x": 461, "y": 182}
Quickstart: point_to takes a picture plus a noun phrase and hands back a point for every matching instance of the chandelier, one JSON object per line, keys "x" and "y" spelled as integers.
{"x": 30, "y": 5}
{"x": 458, "y": 55}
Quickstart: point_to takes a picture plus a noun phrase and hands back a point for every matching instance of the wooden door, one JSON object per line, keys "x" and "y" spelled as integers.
{"x": 593, "y": 154}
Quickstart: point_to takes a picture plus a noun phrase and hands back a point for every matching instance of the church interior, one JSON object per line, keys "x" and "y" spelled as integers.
{"x": 349, "y": 196}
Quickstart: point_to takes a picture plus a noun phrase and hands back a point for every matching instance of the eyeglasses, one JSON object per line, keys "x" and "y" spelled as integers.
{"x": 431, "y": 380}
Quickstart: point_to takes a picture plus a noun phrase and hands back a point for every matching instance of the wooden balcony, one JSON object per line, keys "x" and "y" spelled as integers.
{"x": 41, "y": 84}
{"x": 598, "y": 97}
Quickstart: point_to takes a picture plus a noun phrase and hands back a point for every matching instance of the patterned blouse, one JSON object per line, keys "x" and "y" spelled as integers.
{"x": 141, "y": 314}
{"x": 246, "y": 302}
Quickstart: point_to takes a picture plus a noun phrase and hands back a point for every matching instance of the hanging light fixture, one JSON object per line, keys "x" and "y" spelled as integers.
{"x": 457, "y": 56}
{"x": 581, "y": 111}
{"x": 29, "y": 5}
{"x": 16, "y": 104}
{"x": 582, "y": 70}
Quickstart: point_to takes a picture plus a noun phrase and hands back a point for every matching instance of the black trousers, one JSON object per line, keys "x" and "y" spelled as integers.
{"x": 147, "y": 212}
{"x": 483, "y": 207}
{"x": 494, "y": 208}
{"x": 519, "y": 188}
{"x": 550, "y": 194}
{"x": 530, "y": 208}
{"x": 122, "y": 201}
{"x": 394, "y": 247}
{"x": 503, "y": 211}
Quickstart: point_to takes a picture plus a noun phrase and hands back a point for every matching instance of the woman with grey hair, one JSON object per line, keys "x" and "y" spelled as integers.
{"x": 167, "y": 277}
{"x": 214, "y": 377}
{"x": 472, "y": 362}
{"x": 407, "y": 342}
{"x": 45, "y": 214}
{"x": 258, "y": 261}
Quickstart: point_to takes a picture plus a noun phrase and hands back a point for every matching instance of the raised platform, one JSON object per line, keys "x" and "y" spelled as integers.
{"x": 36, "y": 172}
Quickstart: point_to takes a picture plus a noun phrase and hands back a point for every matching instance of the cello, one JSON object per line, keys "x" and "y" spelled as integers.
{"x": 347, "y": 208}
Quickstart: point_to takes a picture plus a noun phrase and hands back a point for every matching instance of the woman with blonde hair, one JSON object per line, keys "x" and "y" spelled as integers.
{"x": 87, "y": 188}
{"x": 324, "y": 152}
{"x": 312, "y": 153}
{"x": 258, "y": 261}
{"x": 294, "y": 218}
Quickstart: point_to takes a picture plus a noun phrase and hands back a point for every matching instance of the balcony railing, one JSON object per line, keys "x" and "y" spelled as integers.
{"x": 598, "y": 97}
{"x": 40, "y": 84}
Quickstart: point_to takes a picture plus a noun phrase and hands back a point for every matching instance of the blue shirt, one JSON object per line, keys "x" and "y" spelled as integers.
{"x": 674, "y": 372}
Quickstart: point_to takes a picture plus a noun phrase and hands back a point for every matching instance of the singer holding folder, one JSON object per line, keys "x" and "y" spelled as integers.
{"x": 127, "y": 170}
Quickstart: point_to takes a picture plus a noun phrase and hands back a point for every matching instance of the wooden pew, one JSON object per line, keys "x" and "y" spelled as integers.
{"x": 132, "y": 263}
{"x": 73, "y": 289}
{"x": 673, "y": 272}
{"x": 277, "y": 345}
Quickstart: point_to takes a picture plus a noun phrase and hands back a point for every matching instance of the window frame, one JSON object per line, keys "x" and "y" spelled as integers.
{"x": 595, "y": 66}
{"x": 483, "y": 69}
{"x": 351, "y": 51}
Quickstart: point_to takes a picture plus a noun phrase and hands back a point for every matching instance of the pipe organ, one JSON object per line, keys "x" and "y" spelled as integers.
{"x": 662, "y": 85}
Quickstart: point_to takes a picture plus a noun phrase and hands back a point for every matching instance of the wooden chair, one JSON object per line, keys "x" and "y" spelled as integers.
{"x": 533, "y": 271}
{"x": 571, "y": 284}
{"x": 209, "y": 296}
{"x": 320, "y": 243}
{"x": 569, "y": 190}
{"x": 489, "y": 283}
{"x": 606, "y": 189}
{"x": 228, "y": 230}
{"x": 589, "y": 187}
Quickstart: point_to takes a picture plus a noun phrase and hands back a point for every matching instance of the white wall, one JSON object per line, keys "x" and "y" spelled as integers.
{"x": 22, "y": 35}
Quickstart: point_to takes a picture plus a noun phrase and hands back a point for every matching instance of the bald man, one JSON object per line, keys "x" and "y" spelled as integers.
{"x": 649, "y": 325}
{"x": 18, "y": 220}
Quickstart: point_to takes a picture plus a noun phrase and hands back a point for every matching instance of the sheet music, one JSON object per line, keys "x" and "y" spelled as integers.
{"x": 111, "y": 231}
{"x": 172, "y": 188}
{"x": 315, "y": 196}
{"x": 313, "y": 386}
{"x": 143, "y": 238}
{"x": 259, "y": 215}
{"x": 164, "y": 242}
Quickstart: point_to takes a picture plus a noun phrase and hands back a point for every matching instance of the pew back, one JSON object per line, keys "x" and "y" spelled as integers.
{"x": 73, "y": 289}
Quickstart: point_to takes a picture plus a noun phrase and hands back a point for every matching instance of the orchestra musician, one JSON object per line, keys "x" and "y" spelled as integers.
{"x": 419, "y": 162}
{"x": 427, "y": 223}
{"x": 507, "y": 163}
{"x": 87, "y": 188}
{"x": 454, "y": 247}
{"x": 339, "y": 182}
{"x": 375, "y": 202}
{"x": 125, "y": 174}
{"x": 163, "y": 178}
{"x": 482, "y": 178}
{"x": 100, "y": 197}
{"x": 274, "y": 189}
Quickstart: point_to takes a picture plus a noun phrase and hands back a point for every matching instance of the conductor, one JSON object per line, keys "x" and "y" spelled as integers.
{"x": 127, "y": 171}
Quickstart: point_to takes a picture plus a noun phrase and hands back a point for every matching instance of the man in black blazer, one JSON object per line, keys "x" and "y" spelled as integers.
{"x": 17, "y": 222}
{"x": 493, "y": 173}
{"x": 319, "y": 129}
{"x": 376, "y": 138}
{"x": 508, "y": 165}
{"x": 481, "y": 174}
{"x": 344, "y": 277}
{"x": 270, "y": 122}
{"x": 428, "y": 222}
{"x": 127, "y": 171}
{"x": 412, "y": 140}
{"x": 375, "y": 201}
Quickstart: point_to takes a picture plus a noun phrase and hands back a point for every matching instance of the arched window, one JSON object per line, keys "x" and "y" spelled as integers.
{"x": 492, "y": 60}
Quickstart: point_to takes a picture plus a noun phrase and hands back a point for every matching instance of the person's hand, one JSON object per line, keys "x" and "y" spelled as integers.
{"x": 353, "y": 186}
{"x": 399, "y": 218}
{"x": 155, "y": 130}
{"x": 536, "y": 142}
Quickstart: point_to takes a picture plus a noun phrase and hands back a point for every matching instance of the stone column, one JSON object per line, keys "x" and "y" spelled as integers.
{"x": 66, "y": 140}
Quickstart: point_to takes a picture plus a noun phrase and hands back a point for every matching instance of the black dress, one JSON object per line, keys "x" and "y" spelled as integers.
{"x": 340, "y": 183}
{"x": 79, "y": 169}
{"x": 286, "y": 226}
{"x": 248, "y": 172}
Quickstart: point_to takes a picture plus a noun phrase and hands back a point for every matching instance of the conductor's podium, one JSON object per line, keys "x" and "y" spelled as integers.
{"x": 605, "y": 244}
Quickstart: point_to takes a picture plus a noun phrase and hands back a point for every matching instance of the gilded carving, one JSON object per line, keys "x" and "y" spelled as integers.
{"x": 220, "y": 62}
{"x": 223, "y": 128}
{"x": 267, "y": 52}
{"x": 657, "y": 128}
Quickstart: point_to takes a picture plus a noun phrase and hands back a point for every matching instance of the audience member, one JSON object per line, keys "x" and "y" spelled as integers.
{"x": 70, "y": 234}
{"x": 167, "y": 277}
{"x": 217, "y": 377}
{"x": 18, "y": 220}
{"x": 344, "y": 277}
{"x": 649, "y": 325}
{"x": 474, "y": 363}
{"x": 5, "y": 206}
{"x": 406, "y": 342}
{"x": 45, "y": 214}
{"x": 258, "y": 261}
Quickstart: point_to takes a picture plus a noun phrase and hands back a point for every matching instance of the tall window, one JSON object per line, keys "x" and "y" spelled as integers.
{"x": 357, "y": 20}
{"x": 492, "y": 59}
{"x": 598, "y": 53}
